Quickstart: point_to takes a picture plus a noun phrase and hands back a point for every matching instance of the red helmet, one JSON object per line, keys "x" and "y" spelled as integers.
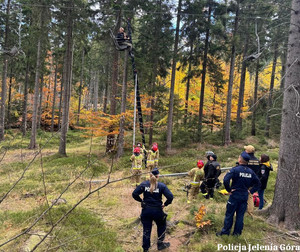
{"x": 137, "y": 150}
{"x": 154, "y": 148}
{"x": 155, "y": 144}
{"x": 200, "y": 163}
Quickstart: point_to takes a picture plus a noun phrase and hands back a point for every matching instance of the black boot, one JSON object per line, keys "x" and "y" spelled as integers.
{"x": 162, "y": 245}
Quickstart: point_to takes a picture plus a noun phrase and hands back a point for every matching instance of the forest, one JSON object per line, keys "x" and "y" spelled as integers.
{"x": 202, "y": 75}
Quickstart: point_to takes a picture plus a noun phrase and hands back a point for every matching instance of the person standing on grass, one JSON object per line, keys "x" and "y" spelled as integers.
{"x": 152, "y": 157}
{"x": 211, "y": 177}
{"x": 152, "y": 209}
{"x": 242, "y": 178}
{"x": 196, "y": 174}
{"x": 263, "y": 175}
{"x": 137, "y": 165}
{"x": 253, "y": 164}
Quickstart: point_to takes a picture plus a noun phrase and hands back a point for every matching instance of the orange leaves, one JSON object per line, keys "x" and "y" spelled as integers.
{"x": 199, "y": 218}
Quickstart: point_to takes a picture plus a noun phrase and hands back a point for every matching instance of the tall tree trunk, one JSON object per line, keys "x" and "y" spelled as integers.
{"x": 152, "y": 94}
{"x": 283, "y": 64}
{"x": 40, "y": 110}
{"x": 171, "y": 102}
{"x": 213, "y": 113}
{"x": 106, "y": 90}
{"x": 54, "y": 98}
{"x": 204, "y": 66}
{"x": 239, "y": 120}
{"x": 33, "y": 143}
{"x": 91, "y": 89}
{"x": 67, "y": 82}
{"x": 60, "y": 101}
{"x": 285, "y": 206}
{"x": 96, "y": 91}
{"x": 9, "y": 98}
{"x": 231, "y": 76}
{"x": 24, "y": 114}
{"x": 80, "y": 86}
{"x": 4, "y": 74}
{"x": 113, "y": 93}
{"x": 270, "y": 103}
{"x": 123, "y": 108}
{"x": 253, "y": 121}
{"x": 187, "y": 92}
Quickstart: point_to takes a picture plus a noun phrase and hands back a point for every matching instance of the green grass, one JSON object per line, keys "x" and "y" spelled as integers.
{"x": 81, "y": 230}
{"x": 99, "y": 224}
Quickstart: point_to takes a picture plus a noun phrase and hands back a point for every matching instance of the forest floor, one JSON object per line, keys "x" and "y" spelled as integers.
{"x": 107, "y": 220}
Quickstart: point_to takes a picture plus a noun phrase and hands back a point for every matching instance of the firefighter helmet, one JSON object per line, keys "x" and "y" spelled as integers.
{"x": 200, "y": 163}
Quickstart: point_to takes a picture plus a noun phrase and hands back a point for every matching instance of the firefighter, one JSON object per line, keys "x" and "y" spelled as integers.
{"x": 137, "y": 164}
{"x": 243, "y": 178}
{"x": 211, "y": 177}
{"x": 196, "y": 175}
{"x": 152, "y": 157}
{"x": 152, "y": 209}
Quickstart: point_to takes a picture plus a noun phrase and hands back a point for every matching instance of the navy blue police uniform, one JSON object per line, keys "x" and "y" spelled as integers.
{"x": 152, "y": 210}
{"x": 242, "y": 179}
{"x": 253, "y": 163}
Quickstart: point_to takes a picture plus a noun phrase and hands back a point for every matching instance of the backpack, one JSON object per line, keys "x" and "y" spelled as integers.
{"x": 256, "y": 199}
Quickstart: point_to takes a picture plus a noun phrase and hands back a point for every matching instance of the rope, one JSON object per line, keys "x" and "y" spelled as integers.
{"x": 137, "y": 98}
{"x": 134, "y": 113}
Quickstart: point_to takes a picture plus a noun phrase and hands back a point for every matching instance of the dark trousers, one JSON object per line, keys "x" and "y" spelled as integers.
{"x": 147, "y": 217}
{"x": 208, "y": 187}
{"x": 234, "y": 205}
{"x": 261, "y": 198}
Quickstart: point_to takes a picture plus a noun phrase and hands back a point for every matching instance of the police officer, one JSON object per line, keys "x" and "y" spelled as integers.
{"x": 242, "y": 179}
{"x": 152, "y": 209}
{"x": 212, "y": 173}
{"x": 253, "y": 163}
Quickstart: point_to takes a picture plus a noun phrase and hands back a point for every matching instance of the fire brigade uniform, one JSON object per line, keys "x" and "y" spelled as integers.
{"x": 152, "y": 210}
{"x": 196, "y": 174}
{"x": 137, "y": 166}
{"x": 152, "y": 159}
{"x": 242, "y": 179}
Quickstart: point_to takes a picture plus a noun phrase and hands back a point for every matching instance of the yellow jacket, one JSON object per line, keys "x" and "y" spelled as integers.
{"x": 196, "y": 175}
{"x": 152, "y": 157}
{"x": 137, "y": 161}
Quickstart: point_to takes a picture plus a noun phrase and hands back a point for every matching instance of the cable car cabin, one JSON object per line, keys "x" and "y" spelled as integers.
{"x": 118, "y": 46}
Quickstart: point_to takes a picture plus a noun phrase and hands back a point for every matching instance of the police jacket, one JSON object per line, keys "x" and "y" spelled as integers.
{"x": 153, "y": 199}
{"x": 253, "y": 163}
{"x": 242, "y": 179}
{"x": 214, "y": 170}
{"x": 206, "y": 166}
{"x": 264, "y": 173}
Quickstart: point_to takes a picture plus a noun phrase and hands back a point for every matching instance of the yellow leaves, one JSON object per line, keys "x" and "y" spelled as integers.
{"x": 199, "y": 218}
